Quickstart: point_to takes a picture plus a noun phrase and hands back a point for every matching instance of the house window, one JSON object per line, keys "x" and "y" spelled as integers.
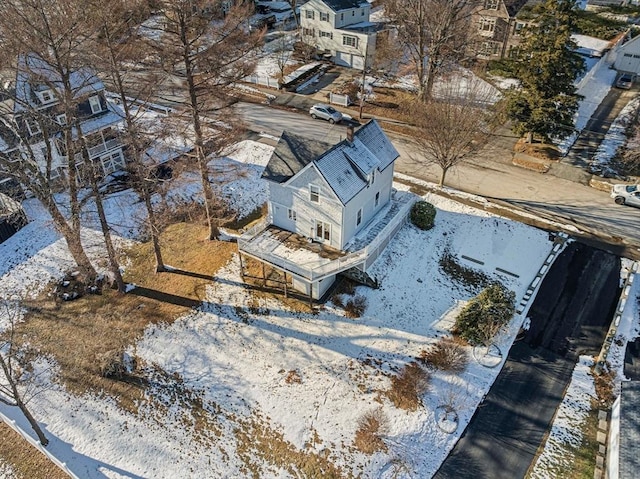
{"x": 324, "y": 17}
{"x": 310, "y": 14}
{"x": 46, "y": 96}
{"x": 61, "y": 119}
{"x": 372, "y": 177}
{"x": 487, "y": 25}
{"x": 377, "y": 200}
{"x": 488, "y": 49}
{"x": 314, "y": 194}
{"x": 350, "y": 41}
{"x": 342, "y": 17}
{"x": 514, "y": 52}
{"x": 517, "y": 30}
{"x": 32, "y": 126}
{"x": 292, "y": 214}
{"x": 323, "y": 230}
{"x": 628, "y": 55}
{"x": 326, "y": 34}
{"x": 359, "y": 217}
{"x": 96, "y": 106}
{"x": 491, "y": 4}
{"x": 362, "y": 12}
{"x": 309, "y": 32}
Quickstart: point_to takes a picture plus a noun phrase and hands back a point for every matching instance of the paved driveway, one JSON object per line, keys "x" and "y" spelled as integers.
{"x": 569, "y": 317}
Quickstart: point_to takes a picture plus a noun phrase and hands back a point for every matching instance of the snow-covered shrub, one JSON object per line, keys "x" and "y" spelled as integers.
{"x": 423, "y": 215}
{"x": 371, "y": 426}
{"x": 407, "y": 387}
{"x": 483, "y": 316}
{"x": 355, "y": 306}
{"x": 448, "y": 354}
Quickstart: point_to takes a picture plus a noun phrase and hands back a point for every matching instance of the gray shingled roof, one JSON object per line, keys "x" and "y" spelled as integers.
{"x": 292, "y": 153}
{"x": 345, "y": 166}
{"x": 514, "y": 6}
{"x": 337, "y": 5}
{"x": 629, "y": 460}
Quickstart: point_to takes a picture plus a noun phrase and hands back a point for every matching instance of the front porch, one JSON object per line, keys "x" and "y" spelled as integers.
{"x": 313, "y": 266}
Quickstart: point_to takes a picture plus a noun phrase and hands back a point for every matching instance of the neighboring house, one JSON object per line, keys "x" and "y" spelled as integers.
{"x": 628, "y": 57}
{"x": 498, "y": 27}
{"x": 623, "y": 451}
{"x": 329, "y": 197}
{"x": 37, "y": 116}
{"x": 340, "y": 29}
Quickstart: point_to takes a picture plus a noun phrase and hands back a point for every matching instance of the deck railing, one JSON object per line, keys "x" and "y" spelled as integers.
{"x": 316, "y": 273}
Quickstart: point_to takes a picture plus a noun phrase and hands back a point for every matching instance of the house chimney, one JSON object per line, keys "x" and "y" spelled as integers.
{"x": 350, "y": 134}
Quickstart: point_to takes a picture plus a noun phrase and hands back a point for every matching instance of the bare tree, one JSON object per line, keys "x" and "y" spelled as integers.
{"x": 208, "y": 45}
{"x": 433, "y": 33}
{"x": 119, "y": 50}
{"x": 39, "y": 40}
{"x": 18, "y": 385}
{"x": 456, "y": 125}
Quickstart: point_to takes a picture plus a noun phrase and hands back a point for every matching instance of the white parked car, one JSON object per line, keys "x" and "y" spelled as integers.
{"x": 325, "y": 112}
{"x": 626, "y": 194}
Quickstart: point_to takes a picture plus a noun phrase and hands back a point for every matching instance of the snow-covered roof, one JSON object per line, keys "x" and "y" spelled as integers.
{"x": 35, "y": 75}
{"x": 337, "y": 5}
{"x": 590, "y": 46}
{"x": 113, "y": 116}
{"x": 345, "y": 167}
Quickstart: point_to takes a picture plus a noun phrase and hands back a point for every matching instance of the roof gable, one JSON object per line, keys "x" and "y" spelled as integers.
{"x": 345, "y": 166}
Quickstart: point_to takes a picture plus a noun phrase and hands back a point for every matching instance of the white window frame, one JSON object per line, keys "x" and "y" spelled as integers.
{"x": 325, "y": 230}
{"x": 293, "y": 216}
{"x": 95, "y": 104}
{"x": 359, "y": 217}
{"x": 61, "y": 119}
{"x": 309, "y": 32}
{"x": 322, "y": 34}
{"x": 377, "y": 200}
{"x": 310, "y": 14}
{"x": 346, "y": 40}
{"x": 112, "y": 162}
{"x": 324, "y": 16}
{"x": 491, "y": 4}
{"x": 488, "y": 48}
{"x": 46, "y": 96}
{"x": 487, "y": 25}
{"x": 314, "y": 193}
{"x": 33, "y": 126}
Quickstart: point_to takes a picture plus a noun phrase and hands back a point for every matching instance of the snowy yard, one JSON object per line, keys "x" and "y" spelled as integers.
{"x": 239, "y": 356}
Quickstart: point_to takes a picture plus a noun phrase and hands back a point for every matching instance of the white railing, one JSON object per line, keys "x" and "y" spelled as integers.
{"x": 96, "y": 151}
{"x": 262, "y": 80}
{"x": 338, "y": 99}
{"x": 331, "y": 268}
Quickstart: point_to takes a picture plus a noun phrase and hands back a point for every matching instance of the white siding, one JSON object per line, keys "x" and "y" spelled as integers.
{"x": 366, "y": 200}
{"x": 295, "y": 195}
{"x": 628, "y": 57}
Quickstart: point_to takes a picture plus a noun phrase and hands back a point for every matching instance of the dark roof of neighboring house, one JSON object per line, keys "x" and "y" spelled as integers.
{"x": 292, "y": 153}
{"x": 514, "y": 6}
{"x": 345, "y": 166}
{"x": 629, "y": 460}
{"x": 632, "y": 360}
{"x": 337, "y": 5}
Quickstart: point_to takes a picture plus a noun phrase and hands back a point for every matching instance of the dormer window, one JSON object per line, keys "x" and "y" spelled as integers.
{"x": 45, "y": 96}
{"x": 96, "y": 106}
{"x": 61, "y": 119}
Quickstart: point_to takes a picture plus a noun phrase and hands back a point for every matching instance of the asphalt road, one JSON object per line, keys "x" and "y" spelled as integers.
{"x": 569, "y": 317}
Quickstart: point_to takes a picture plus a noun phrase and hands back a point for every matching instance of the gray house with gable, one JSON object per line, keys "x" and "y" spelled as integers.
{"x": 337, "y": 199}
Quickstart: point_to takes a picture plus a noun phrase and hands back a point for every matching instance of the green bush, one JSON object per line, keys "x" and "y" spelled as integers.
{"x": 485, "y": 315}
{"x": 423, "y": 215}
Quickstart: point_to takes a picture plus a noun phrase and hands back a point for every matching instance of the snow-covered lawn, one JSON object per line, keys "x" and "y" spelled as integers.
{"x": 263, "y": 369}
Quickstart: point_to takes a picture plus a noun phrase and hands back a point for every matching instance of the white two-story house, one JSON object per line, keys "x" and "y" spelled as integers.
{"x": 332, "y": 196}
{"x": 341, "y": 29}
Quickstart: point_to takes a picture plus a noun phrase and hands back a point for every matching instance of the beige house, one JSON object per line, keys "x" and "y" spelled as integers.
{"x": 340, "y": 29}
{"x": 499, "y": 25}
